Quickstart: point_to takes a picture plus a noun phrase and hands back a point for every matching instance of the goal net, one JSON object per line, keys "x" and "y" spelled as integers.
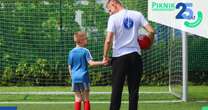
{"x": 37, "y": 35}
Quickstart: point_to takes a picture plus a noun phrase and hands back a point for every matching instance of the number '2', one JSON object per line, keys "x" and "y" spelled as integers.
{"x": 186, "y": 12}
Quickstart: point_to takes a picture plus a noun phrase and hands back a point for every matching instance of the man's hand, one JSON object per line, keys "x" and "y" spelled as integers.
{"x": 151, "y": 32}
{"x": 106, "y": 60}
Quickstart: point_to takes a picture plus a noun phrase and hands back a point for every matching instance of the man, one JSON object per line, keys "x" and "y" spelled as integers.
{"x": 122, "y": 32}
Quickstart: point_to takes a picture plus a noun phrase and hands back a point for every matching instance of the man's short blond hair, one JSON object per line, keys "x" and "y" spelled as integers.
{"x": 115, "y": 1}
{"x": 79, "y": 36}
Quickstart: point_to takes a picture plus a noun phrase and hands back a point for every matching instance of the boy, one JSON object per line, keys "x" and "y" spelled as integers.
{"x": 78, "y": 60}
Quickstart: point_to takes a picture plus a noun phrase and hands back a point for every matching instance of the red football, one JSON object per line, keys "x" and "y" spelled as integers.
{"x": 144, "y": 42}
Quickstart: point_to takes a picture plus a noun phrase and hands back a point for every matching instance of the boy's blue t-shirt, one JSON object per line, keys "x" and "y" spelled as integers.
{"x": 78, "y": 59}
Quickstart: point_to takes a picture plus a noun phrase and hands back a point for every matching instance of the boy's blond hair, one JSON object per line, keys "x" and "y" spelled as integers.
{"x": 78, "y": 36}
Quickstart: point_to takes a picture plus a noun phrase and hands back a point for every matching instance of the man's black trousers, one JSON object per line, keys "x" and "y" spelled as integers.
{"x": 128, "y": 67}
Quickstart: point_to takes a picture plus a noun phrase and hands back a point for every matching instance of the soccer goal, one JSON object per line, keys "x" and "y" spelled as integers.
{"x": 36, "y": 36}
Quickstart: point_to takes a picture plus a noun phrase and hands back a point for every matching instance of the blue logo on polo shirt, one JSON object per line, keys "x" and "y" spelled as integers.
{"x": 8, "y": 108}
{"x": 128, "y": 23}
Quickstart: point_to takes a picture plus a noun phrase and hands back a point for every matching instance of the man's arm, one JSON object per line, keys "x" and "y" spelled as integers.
{"x": 107, "y": 45}
{"x": 151, "y": 31}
